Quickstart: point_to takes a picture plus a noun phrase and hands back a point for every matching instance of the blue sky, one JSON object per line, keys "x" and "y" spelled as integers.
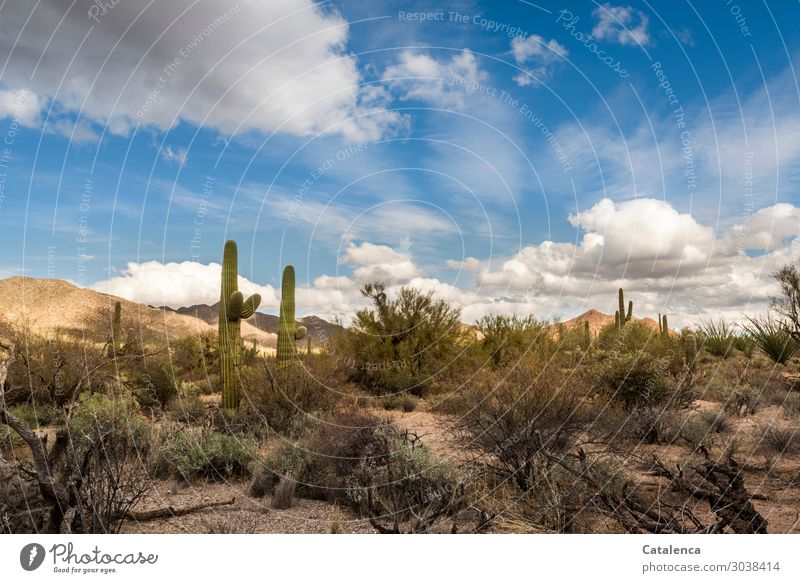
{"x": 511, "y": 156}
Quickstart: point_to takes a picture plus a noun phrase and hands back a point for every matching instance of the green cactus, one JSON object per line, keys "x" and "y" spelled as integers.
{"x": 308, "y": 345}
{"x": 690, "y": 350}
{"x": 587, "y": 334}
{"x": 116, "y": 329}
{"x": 623, "y": 318}
{"x": 288, "y": 331}
{"x": 232, "y": 309}
{"x": 616, "y": 319}
{"x": 663, "y": 326}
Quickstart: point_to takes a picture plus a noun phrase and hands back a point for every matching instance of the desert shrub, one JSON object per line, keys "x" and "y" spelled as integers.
{"x": 187, "y": 355}
{"x": 189, "y": 409}
{"x": 400, "y": 344}
{"x": 717, "y": 337}
{"x": 284, "y": 493}
{"x": 203, "y": 453}
{"x": 108, "y": 447}
{"x": 699, "y": 428}
{"x": 772, "y": 338}
{"x": 325, "y": 454}
{"x": 636, "y": 379}
{"x": 744, "y": 344}
{"x": 37, "y": 415}
{"x": 278, "y": 405}
{"x": 511, "y": 414}
{"x": 400, "y": 402}
{"x": 791, "y": 405}
{"x": 506, "y": 338}
{"x": 742, "y": 400}
{"x": 154, "y": 385}
{"x": 263, "y": 482}
{"x": 406, "y": 484}
{"x": 778, "y": 440}
{"x": 119, "y": 416}
{"x": 652, "y": 425}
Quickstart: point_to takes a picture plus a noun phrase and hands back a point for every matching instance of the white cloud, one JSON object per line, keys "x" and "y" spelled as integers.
{"x": 22, "y": 105}
{"x": 439, "y": 82}
{"x": 621, "y": 24}
{"x": 380, "y": 263}
{"x": 666, "y": 260}
{"x": 232, "y": 66}
{"x": 78, "y": 133}
{"x": 178, "y": 155}
{"x": 467, "y": 264}
{"x": 536, "y": 56}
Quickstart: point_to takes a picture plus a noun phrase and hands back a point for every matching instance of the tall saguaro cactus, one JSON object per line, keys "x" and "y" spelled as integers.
{"x": 288, "y": 331}
{"x": 690, "y": 350}
{"x": 233, "y": 308}
{"x": 662, "y": 325}
{"x": 623, "y": 318}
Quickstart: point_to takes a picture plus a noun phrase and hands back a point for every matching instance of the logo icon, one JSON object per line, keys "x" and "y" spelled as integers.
{"x": 31, "y": 556}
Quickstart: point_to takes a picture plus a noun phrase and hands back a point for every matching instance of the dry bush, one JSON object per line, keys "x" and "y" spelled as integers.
{"x": 511, "y": 414}
{"x": 778, "y": 440}
{"x": 308, "y": 392}
{"x": 262, "y": 483}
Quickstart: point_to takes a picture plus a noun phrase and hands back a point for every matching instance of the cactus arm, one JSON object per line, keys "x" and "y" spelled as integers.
{"x": 665, "y": 327}
{"x": 250, "y": 306}
{"x": 234, "y": 308}
{"x": 630, "y": 311}
{"x": 300, "y": 332}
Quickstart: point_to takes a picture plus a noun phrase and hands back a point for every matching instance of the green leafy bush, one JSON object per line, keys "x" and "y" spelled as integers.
{"x": 203, "y": 453}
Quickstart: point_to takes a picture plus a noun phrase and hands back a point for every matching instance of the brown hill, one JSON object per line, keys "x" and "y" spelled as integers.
{"x": 319, "y": 329}
{"x": 598, "y": 320}
{"x": 49, "y": 305}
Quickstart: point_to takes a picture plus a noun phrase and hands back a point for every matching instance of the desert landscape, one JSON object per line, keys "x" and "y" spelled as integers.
{"x": 121, "y": 417}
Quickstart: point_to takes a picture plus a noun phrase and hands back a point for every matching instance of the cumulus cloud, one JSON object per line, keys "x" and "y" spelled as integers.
{"x": 232, "y": 66}
{"x": 379, "y": 263}
{"x": 22, "y": 105}
{"x": 467, "y": 264}
{"x": 536, "y": 56}
{"x": 668, "y": 256}
{"x": 667, "y": 261}
{"x": 621, "y": 24}
{"x": 419, "y": 76}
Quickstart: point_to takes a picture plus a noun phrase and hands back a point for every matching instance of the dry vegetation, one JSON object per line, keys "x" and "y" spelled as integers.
{"x": 407, "y": 423}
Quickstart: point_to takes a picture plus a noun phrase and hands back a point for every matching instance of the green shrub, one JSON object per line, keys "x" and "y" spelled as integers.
{"x": 636, "y": 379}
{"x": 36, "y": 415}
{"x": 155, "y": 385}
{"x": 203, "y": 453}
{"x": 400, "y": 402}
{"x": 717, "y": 337}
{"x": 98, "y": 416}
{"x": 772, "y": 338}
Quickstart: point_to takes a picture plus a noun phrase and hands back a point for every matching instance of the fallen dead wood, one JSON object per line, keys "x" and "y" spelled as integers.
{"x": 170, "y": 511}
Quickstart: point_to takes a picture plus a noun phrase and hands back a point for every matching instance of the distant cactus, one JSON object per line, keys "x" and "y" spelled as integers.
{"x": 690, "y": 350}
{"x": 116, "y": 329}
{"x": 623, "y": 318}
{"x": 308, "y": 345}
{"x": 616, "y": 319}
{"x": 288, "y": 331}
{"x": 232, "y": 309}
{"x": 587, "y": 334}
{"x": 662, "y": 325}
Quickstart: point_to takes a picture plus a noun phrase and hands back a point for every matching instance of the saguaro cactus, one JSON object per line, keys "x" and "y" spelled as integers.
{"x": 622, "y": 316}
{"x": 662, "y": 325}
{"x": 690, "y": 350}
{"x": 587, "y": 334}
{"x": 288, "y": 331}
{"x": 232, "y": 309}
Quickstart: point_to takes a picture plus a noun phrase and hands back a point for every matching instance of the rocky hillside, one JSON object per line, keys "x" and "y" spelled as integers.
{"x": 50, "y": 305}
{"x": 597, "y": 320}
{"x": 318, "y": 329}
